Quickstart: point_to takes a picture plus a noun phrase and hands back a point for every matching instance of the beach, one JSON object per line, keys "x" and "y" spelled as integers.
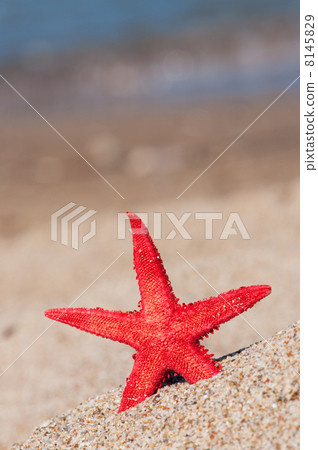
{"x": 254, "y": 403}
{"x": 258, "y": 177}
{"x": 191, "y": 116}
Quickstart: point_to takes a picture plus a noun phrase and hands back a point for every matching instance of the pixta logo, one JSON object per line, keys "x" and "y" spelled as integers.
{"x": 233, "y": 225}
{"x": 67, "y": 226}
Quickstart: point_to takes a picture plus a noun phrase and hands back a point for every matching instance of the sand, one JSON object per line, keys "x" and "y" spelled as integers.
{"x": 150, "y": 155}
{"x": 253, "y": 403}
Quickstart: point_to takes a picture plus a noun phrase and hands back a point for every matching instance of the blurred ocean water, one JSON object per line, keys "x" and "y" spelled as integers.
{"x": 105, "y": 51}
{"x": 30, "y": 26}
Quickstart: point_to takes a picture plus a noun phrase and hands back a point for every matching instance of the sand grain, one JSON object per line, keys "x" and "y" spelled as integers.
{"x": 253, "y": 403}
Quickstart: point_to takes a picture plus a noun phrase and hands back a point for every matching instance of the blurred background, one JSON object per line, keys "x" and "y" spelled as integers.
{"x": 150, "y": 93}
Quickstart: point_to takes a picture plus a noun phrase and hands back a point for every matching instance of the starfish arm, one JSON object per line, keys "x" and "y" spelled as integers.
{"x": 114, "y": 325}
{"x": 193, "y": 363}
{"x": 144, "y": 380}
{"x": 208, "y": 314}
{"x": 157, "y": 297}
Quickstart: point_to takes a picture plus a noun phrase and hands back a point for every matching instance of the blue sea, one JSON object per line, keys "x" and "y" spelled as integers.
{"x": 106, "y": 52}
{"x": 33, "y": 26}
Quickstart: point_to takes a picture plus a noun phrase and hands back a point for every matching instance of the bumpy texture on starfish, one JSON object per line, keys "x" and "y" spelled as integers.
{"x": 165, "y": 333}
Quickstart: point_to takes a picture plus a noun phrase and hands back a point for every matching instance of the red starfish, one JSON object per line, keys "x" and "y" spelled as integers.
{"x": 165, "y": 334}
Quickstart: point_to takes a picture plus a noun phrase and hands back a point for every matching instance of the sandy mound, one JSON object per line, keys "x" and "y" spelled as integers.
{"x": 253, "y": 403}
